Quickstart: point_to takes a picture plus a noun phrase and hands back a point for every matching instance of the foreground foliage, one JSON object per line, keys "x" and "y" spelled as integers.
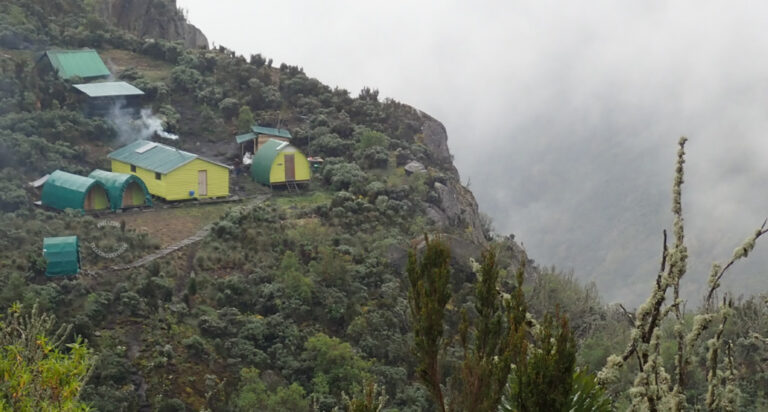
{"x": 39, "y": 372}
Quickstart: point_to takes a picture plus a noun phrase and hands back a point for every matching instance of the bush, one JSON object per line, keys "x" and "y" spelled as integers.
{"x": 14, "y": 197}
{"x": 371, "y": 138}
{"x": 229, "y": 107}
{"x": 374, "y": 157}
{"x": 195, "y": 345}
{"x": 330, "y": 145}
{"x": 171, "y": 405}
{"x": 185, "y": 79}
{"x": 344, "y": 176}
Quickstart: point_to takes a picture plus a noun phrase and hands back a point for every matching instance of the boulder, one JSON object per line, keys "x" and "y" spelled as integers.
{"x": 415, "y": 167}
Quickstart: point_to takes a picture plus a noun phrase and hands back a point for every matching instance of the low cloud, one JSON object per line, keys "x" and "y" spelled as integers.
{"x": 565, "y": 116}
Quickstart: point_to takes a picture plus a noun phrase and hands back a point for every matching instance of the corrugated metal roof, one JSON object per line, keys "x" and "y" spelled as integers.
{"x": 65, "y": 190}
{"x": 116, "y": 183}
{"x": 262, "y": 161}
{"x": 39, "y": 182}
{"x": 245, "y": 137}
{"x": 106, "y": 89}
{"x": 271, "y": 131}
{"x": 84, "y": 63}
{"x": 160, "y": 158}
{"x": 62, "y": 255}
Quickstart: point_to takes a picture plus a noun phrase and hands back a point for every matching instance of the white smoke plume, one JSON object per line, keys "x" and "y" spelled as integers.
{"x": 131, "y": 127}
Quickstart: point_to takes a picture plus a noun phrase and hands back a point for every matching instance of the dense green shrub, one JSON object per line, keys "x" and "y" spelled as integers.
{"x": 344, "y": 176}
{"x": 331, "y": 145}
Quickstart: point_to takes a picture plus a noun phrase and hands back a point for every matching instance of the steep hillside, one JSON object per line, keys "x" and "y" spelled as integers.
{"x": 269, "y": 299}
{"x": 276, "y": 286}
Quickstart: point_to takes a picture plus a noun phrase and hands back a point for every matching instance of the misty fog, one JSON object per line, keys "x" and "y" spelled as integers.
{"x": 562, "y": 116}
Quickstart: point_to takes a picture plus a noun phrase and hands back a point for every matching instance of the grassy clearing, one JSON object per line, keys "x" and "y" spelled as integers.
{"x": 119, "y": 60}
{"x": 171, "y": 225}
{"x": 301, "y": 199}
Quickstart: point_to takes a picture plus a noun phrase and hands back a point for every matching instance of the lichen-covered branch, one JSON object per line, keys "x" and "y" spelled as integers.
{"x": 653, "y": 390}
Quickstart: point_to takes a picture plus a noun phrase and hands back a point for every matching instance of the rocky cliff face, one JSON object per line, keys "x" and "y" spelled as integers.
{"x": 159, "y": 19}
{"x": 457, "y": 206}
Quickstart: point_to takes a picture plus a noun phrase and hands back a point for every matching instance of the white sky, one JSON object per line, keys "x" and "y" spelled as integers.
{"x": 563, "y": 115}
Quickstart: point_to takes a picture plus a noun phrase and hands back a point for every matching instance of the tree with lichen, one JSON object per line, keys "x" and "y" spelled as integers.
{"x": 654, "y": 388}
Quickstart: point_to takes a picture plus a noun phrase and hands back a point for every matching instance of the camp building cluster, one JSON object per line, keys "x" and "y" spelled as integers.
{"x": 145, "y": 170}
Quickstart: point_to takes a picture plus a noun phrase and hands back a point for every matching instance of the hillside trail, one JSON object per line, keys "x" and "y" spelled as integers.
{"x": 185, "y": 242}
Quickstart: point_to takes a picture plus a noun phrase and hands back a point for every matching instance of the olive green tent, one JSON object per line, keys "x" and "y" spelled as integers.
{"x": 62, "y": 256}
{"x": 124, "y": 190}
{"x": 64, "y": 190}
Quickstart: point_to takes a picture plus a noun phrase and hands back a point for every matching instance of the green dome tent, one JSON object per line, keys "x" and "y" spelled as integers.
{"x": 64, "y": 190}
{"x": 62, "y": 256}
{"x": 279, "y": 163}
{"x": 124, "y": 190}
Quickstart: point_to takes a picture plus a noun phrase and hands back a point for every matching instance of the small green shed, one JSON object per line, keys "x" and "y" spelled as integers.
{"x": 65, "y": 190}
{"x": 259, "y": 135}
{"x": 124, "y": 190}
{"x": 62, "y": 256}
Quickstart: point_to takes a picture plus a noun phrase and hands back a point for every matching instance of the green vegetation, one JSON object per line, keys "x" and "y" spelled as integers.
{"x": 39, "y": 372}
{"x": 310, "y": 301}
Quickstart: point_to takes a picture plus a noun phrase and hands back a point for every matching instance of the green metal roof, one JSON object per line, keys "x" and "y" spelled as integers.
{"x": 245, "y": 137}
{"x": 116, "y": 183}
{"x": 263, "y": 159}
{"x": 152, "y": 156}
{"x": 107, "y": 89}
{"x": 64, "y": 190}
{"x": 271, "y": 131}
{"x": 84, "y": 63}
{"x": 62, "y": 255}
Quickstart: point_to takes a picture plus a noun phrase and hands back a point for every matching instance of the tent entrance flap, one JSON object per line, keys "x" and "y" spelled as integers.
{"x": 133, "y": 195}
{"x": 96, "y": 199}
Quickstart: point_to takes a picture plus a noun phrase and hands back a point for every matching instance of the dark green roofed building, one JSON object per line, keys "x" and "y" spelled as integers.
{"x": 85, "y": 64}
{"x": 124, "y": 190}
{"x": 62, "y": 256}
{"x": 99, "y": 99}
{"x": 269, "y": 131}
{"x": 252, "y": 142}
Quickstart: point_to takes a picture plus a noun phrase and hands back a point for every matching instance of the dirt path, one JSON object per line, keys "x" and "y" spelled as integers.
{"x": 200, "y": 234}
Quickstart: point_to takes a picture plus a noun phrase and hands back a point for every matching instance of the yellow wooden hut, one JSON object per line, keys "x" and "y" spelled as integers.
{"x": 171, "y": 173}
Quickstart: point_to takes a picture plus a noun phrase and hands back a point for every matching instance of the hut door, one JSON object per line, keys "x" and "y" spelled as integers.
{"x": 290, "y": 170}
{"x": 202, "y": 182}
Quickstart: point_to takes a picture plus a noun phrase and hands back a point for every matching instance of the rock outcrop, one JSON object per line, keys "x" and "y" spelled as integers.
{"x": 456, "y": 206}
{"x": 435, "y": 138}
{"x": 157, "y": 19}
